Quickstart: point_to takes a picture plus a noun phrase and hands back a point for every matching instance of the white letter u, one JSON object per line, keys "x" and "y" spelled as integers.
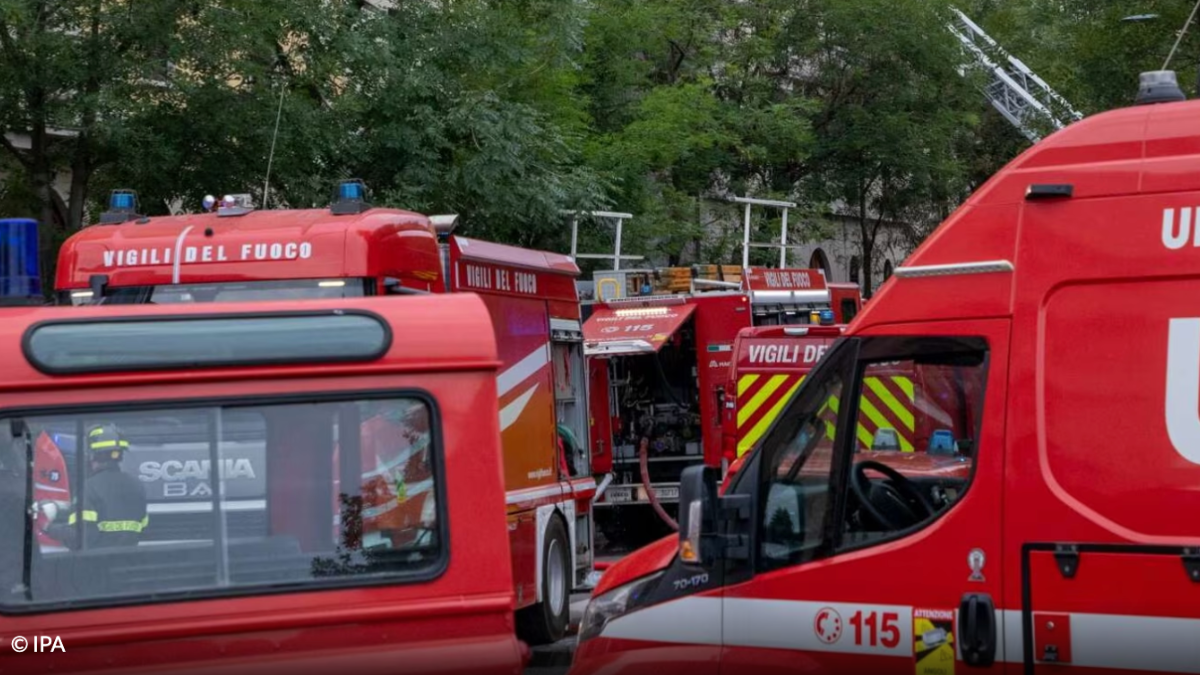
{"x": 1183, "y": 388}
{"x": 1170, "y": 239}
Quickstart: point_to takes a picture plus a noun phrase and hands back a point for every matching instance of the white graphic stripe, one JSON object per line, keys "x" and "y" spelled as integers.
{"x": 179, "y": 254}
{"x": 530, "y": 494}
{"x": 512, "y": 411}
{"x": 522, "y": 370}
{"x": 49, "y": 488}
{"x": 203, "y": 507}
{"x": 1120, "y": 642}
{"x": 687, "y": 621}
{"x": 1183, "y": 397}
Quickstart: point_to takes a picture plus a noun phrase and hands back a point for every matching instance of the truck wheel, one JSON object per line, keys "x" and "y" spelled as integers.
{"x": 546, "y": 622}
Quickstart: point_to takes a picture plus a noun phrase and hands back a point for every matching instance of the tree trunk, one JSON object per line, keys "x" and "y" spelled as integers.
{"x": 866, "y": 244}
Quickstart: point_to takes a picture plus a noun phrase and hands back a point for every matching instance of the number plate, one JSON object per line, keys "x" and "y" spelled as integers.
{"x": 666, "y": 492}
{"x": 619, "y": 495}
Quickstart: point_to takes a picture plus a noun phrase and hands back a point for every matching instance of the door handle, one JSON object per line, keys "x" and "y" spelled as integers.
{"x": 977, "y": 630}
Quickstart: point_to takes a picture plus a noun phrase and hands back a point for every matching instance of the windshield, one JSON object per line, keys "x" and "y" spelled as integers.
{"x": 240, "y": 291}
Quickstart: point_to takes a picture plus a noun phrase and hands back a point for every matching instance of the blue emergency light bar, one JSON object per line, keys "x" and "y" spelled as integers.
{"x": 20, "y": 276}
{"x": 350, "y": 190}
{"x": 827, "y": 317}
{"x": 122, "y": 207}
{"x": 350, "y": 198}
{"x": 122, "y": 200}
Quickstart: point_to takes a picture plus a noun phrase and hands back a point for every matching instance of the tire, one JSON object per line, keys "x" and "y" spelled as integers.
{"x": 546, "y": 622}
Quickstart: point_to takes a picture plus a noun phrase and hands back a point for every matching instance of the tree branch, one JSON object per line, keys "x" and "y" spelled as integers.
{"x": 16, "y": 152}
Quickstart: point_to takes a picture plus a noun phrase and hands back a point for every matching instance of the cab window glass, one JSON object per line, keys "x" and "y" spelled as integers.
{"x": 908, "y": 457}
{"x": 915, "y": 435}
{"x": 796, "y": 498}
{"x": 217, "y": 499}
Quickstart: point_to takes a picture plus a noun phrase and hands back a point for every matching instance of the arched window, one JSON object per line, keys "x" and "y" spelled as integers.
{"x": 854, "y": 265}
{"x": 821, "y": 262}
{"x": 887, "y": 269}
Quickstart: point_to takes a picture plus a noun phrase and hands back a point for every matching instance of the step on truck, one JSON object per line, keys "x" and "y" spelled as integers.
{"x": 660, "y": 344}
{"x": 1070, "y": 542}
{"x": 312, "y": 582}
{"x": 352, "y": 249}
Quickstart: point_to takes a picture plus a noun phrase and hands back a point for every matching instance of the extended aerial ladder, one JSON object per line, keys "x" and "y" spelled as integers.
{"x": 1022, "y": 97}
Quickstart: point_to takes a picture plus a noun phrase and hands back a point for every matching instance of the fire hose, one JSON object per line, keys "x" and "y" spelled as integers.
{"x": 645, "y": 465}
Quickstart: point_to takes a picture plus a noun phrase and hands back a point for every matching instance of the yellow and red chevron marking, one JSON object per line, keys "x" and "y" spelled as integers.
{"x": 760, "y": 400}
{"x": 887, "y": 402}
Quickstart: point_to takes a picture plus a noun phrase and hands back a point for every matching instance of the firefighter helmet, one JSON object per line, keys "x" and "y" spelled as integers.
{"x": 105, "y": 442}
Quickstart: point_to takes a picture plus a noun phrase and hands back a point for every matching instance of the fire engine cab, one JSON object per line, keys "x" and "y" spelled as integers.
{"x": 1060, "y": 537}
{"x": 309, "y": 584}
{"x": 352, "y": 249}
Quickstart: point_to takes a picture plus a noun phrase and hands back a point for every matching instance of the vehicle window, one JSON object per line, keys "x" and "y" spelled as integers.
{"x": 796, "y": 498}
{"x": 290, "y": 289}
{"x": 915, "y": 439}
{"x": 849, "y": 310}
{"x": 910, "y": 458}
{"x": 140, "y": 505}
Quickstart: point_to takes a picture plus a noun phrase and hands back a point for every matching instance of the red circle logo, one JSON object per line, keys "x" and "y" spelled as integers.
{"x": 828, "y": 625}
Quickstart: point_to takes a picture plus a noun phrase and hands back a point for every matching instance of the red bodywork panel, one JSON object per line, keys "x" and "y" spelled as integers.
{"x": 257, "y": 246}
{"x": 765, "y": 279}
{"x": 770, "y": 362}
{"x": 461, "y": 621}
{"x": 634, "y": 327}
{"x": 487, "y": 267}
{"x": 600, "y": 426}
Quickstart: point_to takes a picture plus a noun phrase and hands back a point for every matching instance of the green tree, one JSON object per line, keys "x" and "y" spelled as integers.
{"x": 894, "y": 107}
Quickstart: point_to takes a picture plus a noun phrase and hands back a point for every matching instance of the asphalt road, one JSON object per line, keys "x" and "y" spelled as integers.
{"x": 555, "y": 659}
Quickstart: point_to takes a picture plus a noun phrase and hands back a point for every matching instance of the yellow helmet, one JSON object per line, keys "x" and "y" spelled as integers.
{"x": 105, "y": 442}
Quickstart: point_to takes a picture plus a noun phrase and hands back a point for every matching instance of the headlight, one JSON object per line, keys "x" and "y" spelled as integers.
{"x": 604, "y": 608}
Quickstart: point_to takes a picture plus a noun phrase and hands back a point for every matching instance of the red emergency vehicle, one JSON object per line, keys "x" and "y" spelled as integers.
{"x": 300, "y": 589}
{"x": 352, "y": 249}
{"x": 1069, "y": 543}
{"x": 660, "y": 358}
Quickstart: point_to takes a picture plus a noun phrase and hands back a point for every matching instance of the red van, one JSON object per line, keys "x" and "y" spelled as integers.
{"x": 1045, "y": 519}
{"x": 269, "y": 415}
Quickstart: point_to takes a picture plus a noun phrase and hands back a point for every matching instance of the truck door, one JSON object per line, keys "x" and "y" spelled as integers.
{"x": 881, "y": 561}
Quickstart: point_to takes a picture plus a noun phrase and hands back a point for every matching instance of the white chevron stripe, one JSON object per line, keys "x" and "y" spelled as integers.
{"x": 510, "y": 412}
{"x": 522, "y": 370}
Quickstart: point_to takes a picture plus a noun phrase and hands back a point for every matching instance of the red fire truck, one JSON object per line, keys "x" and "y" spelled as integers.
{"x": 303, "y": 587}
{"x": 659, "y": 374}
{"x": 1069, "y": 543}
{"x": 351, "y": 249}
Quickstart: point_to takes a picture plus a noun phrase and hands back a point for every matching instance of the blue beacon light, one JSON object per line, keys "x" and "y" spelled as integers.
{"x": 20, "y": 276}
{"x": 350, "y": 190}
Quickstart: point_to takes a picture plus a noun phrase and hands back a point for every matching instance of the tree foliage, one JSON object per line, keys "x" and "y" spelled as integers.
{"x": 507, "y": 113}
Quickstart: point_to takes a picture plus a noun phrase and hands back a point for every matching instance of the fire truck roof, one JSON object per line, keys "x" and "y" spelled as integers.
{"x": 284, "y": 244}
{"x": 477, "y": 250}
{"x": 75, "y": 348}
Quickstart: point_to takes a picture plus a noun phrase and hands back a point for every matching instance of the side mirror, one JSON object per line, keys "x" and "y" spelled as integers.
{"x": 698, "y": 543}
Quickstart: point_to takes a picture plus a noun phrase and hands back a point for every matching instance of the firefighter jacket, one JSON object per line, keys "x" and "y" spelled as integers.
{"x": 114, "y": 510}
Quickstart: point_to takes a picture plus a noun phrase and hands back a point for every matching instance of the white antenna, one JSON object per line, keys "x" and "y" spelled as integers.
{"x": 1182, "y": 32}
{"x": 274, "y": 137}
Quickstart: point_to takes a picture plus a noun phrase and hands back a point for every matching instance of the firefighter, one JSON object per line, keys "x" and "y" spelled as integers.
{"x": 114, "y": 503}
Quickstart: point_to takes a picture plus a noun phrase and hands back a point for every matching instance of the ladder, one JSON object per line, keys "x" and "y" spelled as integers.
{"x": 1026, "y": 101}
